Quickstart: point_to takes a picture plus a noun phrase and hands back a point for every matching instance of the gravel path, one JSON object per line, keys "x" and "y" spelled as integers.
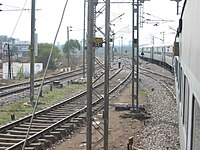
{"x": 161, "y": 130}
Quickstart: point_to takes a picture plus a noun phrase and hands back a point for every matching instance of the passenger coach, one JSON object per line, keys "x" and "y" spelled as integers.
{"x": 160, "y": 54}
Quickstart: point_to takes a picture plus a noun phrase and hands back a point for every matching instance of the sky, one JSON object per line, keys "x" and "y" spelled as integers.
{"x": 49, "y": 12}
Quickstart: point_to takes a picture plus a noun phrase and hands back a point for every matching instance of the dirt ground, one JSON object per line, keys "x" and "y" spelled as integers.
{"x": 120, "y": 129}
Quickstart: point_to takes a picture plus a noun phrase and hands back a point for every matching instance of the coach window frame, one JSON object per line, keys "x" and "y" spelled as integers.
{"x": 182, "y": 85}
{"x": 186, "y": 103}
{"x": 195, "y": 109}
{"x": 177, "y": 64}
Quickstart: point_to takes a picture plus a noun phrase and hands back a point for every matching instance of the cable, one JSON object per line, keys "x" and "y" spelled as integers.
{"x": 17, "y": 9}
{"x": 9, "y": 5}
{"x": 35, "y": 107}
{"x": 183, "y": 8}
{"x": 18, "y": 18}
{"x": 179, "y": 29}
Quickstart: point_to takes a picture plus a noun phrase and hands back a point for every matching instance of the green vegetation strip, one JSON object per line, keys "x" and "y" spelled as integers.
{"x": 21, "y": 108}
{"x": 143, "y": 93}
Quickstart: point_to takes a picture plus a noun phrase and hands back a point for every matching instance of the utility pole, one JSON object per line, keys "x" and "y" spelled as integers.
{"x": 9, "y": 62}
{"x": 94, "y": 35}
{"x": 89, "y": 72}
{"x": 121, "y": 46}
{"x": 152, "y": 51}
{"x": 137, "y": 45}
{"x": 67, "y": 34}
{"x": 163, "y": 37}
{"x": 1, "y": 52}
{"x": 32, "y": 56}
{"x": 107, "y": 66}
{"x": 177, "y": 1}
{"x": 113, "y": 45}
{"x": 68, "y": 29}
{"x": 84, "y": 48}
{"x": 68, "y": 44}
{"x": 135, "y": 50}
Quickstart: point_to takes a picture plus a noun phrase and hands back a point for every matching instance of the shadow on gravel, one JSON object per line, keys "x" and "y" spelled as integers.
{"x": 134, "y": 113}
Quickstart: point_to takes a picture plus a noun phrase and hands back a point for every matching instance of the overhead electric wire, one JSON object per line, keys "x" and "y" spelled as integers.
{"x": 44, "y": 75}
{"x": 18, "y": 18}
{"x": 17, "y": 9}
{"x": 179, "y": 29}
{"x": 9, "y": 5}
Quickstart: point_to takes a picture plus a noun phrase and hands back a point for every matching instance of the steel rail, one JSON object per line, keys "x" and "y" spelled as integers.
{"x": 161, "y": 82}
{"x": 26, "y": 85}
{"x": 60, "y": 122}
{"x": 153, "y": 72}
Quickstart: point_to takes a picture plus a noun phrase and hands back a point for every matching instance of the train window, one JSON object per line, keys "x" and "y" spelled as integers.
{"x": 186, "y": 102}
{"x": 196, "y": 125}
{"x": 180, "y": 82}
{"x": 176, "y": 69}
{"x": 178, "y": 75}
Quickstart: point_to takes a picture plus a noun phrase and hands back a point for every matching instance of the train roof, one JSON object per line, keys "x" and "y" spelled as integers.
{"x": 156, "y": 45}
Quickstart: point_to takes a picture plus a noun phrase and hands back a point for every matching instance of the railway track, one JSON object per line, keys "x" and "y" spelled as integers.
{"x": 16, "y": 88}
{"x": 21, "y": 90}
{"x": 156, "y": 73}
{"x": 59, "y": 120}
{"x": 166, "y": 81}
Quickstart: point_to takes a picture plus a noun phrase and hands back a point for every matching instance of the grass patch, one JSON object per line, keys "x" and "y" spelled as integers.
{"x": 143, "y": 93}
{"x": 19, "y": 109}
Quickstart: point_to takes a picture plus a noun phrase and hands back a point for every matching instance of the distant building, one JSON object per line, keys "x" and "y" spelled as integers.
{"x": 16, "y": 68}
{"x": 18, "y": 48}
{"x": 22, "y": 47}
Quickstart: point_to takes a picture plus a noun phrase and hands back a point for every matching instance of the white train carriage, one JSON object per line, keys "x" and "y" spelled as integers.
{"x": 161, "y": 54}
{"x": 187, "y": 72}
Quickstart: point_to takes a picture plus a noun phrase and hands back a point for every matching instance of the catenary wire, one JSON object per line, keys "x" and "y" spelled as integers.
{"x": 18, "y": 18}
{"x": 36, "y": 103}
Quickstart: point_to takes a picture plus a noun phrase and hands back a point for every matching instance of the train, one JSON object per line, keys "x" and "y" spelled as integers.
{"x": 184, "y": 58}
{"x": 187, "y": 70}
{"x": 161, "y": 54}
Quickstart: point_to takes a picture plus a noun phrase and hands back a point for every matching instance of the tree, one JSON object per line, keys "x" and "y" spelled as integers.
{"x": 43, "y": 55}
{"x": 70, "y": 47}
{"x": 14, "y": 50}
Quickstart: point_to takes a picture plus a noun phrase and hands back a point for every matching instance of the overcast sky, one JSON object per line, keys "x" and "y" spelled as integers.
{"x": 48, "y": 14}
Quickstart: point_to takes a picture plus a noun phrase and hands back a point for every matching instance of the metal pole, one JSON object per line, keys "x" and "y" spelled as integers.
{"x": 9, "y": 62}
{"x": 113, "y": 46}
{"x": 122, "y": 46}
{"x": 89, "y": 72}
{"x": 84, "y": 38}
{"x": 153, "y": 42}
{"x": 67, "y": 34}
{"x": 1, "y": 52}
{"x": 106, "y": 87}
{"x": 68, "y": 53}
{"x": 133, "y": 55}
{"x": 32, "y": 59}
{"x": 163, "y": 37}
{"x": 137, "y": 91}
{"x": 94, "y": 34}
{"x": 177, "y": 7}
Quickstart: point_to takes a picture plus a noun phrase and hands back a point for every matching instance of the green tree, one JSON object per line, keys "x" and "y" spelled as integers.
{"x": 14, "y": 50}
{"x": 70, "y": 47}
{"x": 43, "y": 55}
